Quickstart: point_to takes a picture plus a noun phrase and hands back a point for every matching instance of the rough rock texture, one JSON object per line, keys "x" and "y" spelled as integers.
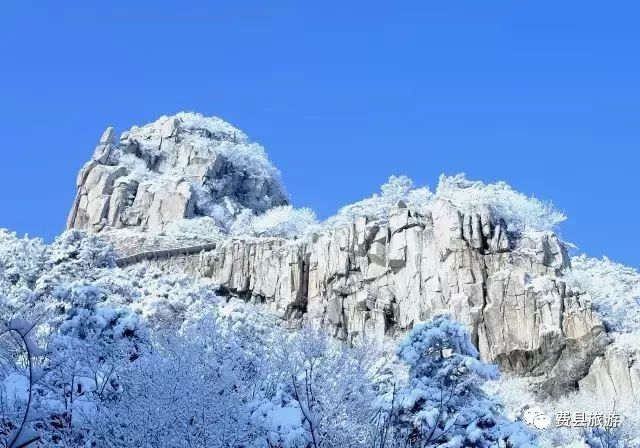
{"x": 362, "y": 280}
{"x": 366, "y": 280}
{"x": 616, "y": 375}
{"x": 170, "y": 170}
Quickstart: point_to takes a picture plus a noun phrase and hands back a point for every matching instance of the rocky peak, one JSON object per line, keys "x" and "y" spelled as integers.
{"x": 178, "y": 167}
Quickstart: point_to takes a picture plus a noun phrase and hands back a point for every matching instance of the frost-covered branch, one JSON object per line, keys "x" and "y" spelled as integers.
{"x": 23, "y": 435}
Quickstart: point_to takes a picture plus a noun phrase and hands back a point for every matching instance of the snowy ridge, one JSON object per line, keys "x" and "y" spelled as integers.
{"x": 189, "y": 304}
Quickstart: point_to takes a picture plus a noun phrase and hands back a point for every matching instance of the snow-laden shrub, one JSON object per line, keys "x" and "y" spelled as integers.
{"x": 605, "y": 438}
{"x": 614, "y": 290}
{"x": 520, "y": 212}
{"x": 197, "y": 229}
{"x": 214, "y": 125}
{"x": 379, "y": 206}
{"x": 243, "y": 224}
{"x": 21, "y": 261}
{"x": 252, "y": 159}
{"x": 30, "y": 270}
{"x": 396, "y": 188}
{"x": 171, "y": 301}
{"x": 74, "y": 255}
{"x": 137, "y": 168}
{"x": 284, "y": 221}
{"x": 191, "y": 391}
{"x": 80, "y": 249}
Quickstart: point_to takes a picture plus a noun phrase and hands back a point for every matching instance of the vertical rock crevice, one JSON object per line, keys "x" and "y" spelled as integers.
{"x": 367, "y": 280}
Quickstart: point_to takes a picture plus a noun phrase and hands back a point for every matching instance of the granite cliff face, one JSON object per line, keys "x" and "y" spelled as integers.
{"x": 365, "y": 279}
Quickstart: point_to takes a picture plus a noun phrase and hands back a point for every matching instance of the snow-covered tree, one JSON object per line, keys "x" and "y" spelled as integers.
{"x": 379, "y": 206}
{"x": 285, "y": 221}
{"x": 442, "y": 404}
{"x": 607, "y": 438}
{"x": 520, "y": 212}
{"x": 332, "y": 387}
{"x": 18, "y": 350}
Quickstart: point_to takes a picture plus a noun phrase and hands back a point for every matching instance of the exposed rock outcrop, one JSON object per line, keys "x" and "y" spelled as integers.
{"x": 616, "y": 375}
{"x": 178, "y": 167}
{"x": 359, "y": 280}
{"x": 370, "y": 280}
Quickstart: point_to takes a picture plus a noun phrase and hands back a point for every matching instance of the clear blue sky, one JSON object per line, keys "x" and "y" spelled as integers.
{"x": 544, "y": 95}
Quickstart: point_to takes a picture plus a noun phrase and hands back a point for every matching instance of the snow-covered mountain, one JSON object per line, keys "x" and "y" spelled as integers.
{"x": 181, "y": 167}
{"x": 275, "y": 330}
